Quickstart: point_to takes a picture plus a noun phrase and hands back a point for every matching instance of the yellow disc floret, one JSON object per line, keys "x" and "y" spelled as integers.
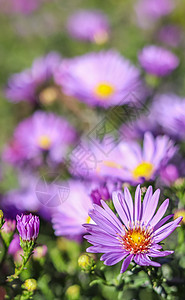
{"x": 145, "y": 169}
{"x": 104, "y": 90}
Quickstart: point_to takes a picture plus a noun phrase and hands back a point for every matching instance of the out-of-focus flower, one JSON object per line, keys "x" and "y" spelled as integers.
{"x": 30, "y": 284}
{"x": 116, "y": 82}
{"x": 14, "y": 245}
{"x": 89, "y": 25}
{"x": 149, "y": 11}
{"x": 40, "y": 252}
{"x": 42, "y": 133}
{"x": 134, "y": 163}
{"x": 28, "y": 227}
{"x": 73, "y": 292}
{"x": 19, "y": 6}
{"x": 137, "y": 235}
{"x": 158, "y": 61}
{"x": 7, "y": 231}
{"x": 35, "y": 84}
{"x": 169, "y": 111}
{"x": 9, "y": 226}
{"x": 170, "y": 35}
{"x": 68, "y": 218}
{"x": 169, "y": 174}
{"x": 180, "y": 213}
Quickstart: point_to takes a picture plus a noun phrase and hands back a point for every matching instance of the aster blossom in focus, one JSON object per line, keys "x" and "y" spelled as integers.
{"x": 136, "y": 234}
{"x": 28, "y": 227}
{"x": 34, "y": 84}
{"x": 42, "y": 133}
{"x": 89, "y": 25}
{"x": 133, "y": 163}
{"x": 100, "y": 79}
{"x": 158, "y": 61}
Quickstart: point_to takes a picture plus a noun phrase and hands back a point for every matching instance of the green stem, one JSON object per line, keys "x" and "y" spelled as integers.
{"x": 4, "y": 253}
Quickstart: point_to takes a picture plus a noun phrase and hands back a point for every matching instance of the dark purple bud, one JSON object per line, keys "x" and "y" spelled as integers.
{"x": 28, "y": 227}
{"x": 101, "y": 193}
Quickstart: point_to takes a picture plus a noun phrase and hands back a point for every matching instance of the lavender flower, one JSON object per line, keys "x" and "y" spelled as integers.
{"x": 149, "y": 11}
{"x": 116, "y": 82}
{"x": 158, "y": 61}
{"x": 68, "y": 218}
{"x": 34, "y": 83}
{"x": 169, "y": 111}
{"x": 28, "y": 227}
{"x": 136, "y": 234}
{"x": 89, "y": 25}
{"x": 40, "y": 134}
{"x": 19, "y": 6}
{"x": 134, "y": 164}
{"x": 171, "y": 35}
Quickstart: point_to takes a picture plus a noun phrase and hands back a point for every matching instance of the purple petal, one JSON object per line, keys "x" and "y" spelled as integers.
{"x": 137, "y": 208}
{"x": 126, "y": 263}
{"x": 111, "y": 259}
{"x": 164, "y": 220}
{"x": 121, "y": 212}
{"x": 155, "y": 253}
{"x": 160, "y": 213}
{"x": 151, "y": 207}
{"x": 128, "y": 203}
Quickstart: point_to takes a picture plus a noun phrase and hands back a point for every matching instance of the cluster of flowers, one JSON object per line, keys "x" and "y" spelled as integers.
{"x": 145, "y": 151}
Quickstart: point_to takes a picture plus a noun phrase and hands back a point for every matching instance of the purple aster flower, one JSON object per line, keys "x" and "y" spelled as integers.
{"x": 170, "y": 35}
{"x": 136, "y": 234}
{"x": 28, "y": 227}
{"x": 68, "y": 218}
{"x": 169, "y": 174}
{"x": 42, "y": 133}
{"x": 116, "y": 82}
{"x": 34, "y": 83}
{"x": 158, "y": 61}
{"x": 103, "y": 191}
{"x": 89, "y": 25}
{"x": 14, "y": 245}
{"x": 9, "y": 226}
{"x": 19, "y": 6}
{"x": 169, "y": 111}
{"x": 149, "y": 11}
{"x": 134, "y": 163}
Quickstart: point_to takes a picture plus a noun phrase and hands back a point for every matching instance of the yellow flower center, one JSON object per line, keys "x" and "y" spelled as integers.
{"x": 145, "y": 169}
{"x": 101, "y": 37}
{"x": 112, "y": 164}
{"x": 88, "y": 220}
{"x": 137, "y": 239}
{"x": 48, "y": 95}
{"x": 104, "y": 90}
{"x": 44, "y": 142}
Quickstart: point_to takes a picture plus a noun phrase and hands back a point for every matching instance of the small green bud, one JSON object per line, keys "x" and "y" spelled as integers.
{"x": 30, "y": 285}
{"x": 86, "y": 263}
{"x": 1, "y": 218}
{"x": 73, "y": 292}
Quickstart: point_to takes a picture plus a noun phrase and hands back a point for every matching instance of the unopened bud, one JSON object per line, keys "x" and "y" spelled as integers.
{"x": 30, "y": 285}
{"x": 1, "y": 218}
{"x": 73, "y": 292}
{"x": 86, "y": 263}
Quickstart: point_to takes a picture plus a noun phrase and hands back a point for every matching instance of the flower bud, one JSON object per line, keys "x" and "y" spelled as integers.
{"x": 1, "y": 218}
{"x": 28, "y": 227}
{"x": 30, "y": 285}
{"x": 73, "y": 292}
{"x": 86, "y": 263}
